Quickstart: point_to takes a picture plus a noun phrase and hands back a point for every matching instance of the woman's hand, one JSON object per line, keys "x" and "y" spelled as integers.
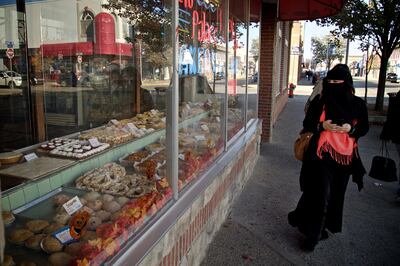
{"x": 345, "y": 128}
{"x": 328, "y": 125}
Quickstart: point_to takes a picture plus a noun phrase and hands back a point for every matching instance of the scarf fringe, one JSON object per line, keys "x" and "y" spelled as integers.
{"x": 338, "y": 157}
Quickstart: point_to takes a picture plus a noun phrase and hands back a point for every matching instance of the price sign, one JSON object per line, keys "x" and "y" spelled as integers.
{"x": 64, "y": 236}
{"x": 73, "y": 205}
{"x": 205, "y": 128}
{"x": 30, "y": 156}
{"x": 200, "y": 137}
{"x": 94, "y": 142}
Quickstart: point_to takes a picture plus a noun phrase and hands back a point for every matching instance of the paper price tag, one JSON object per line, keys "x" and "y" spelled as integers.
{"x": 73, "y": 205}
{"x": 131, "y": 127}
{"x": 205, "y": 128}
{"x": 64, "y": 236}
{"x": 114, "y": 121}
{"x": 200, "y": 137}
{"x": 181, "y": 157}
{"x": 164, "y": 120}
{"x": 154, "y": 112}
{"x": 30, "y": 156}
{"x": 94, "y": 142}
{"x": 218, "y": 119}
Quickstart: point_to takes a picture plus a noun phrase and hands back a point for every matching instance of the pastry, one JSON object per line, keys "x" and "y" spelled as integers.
{"x": 37, "y": 226}
{"x": 111, "y": 206}
{"x": 51, "y": 244}
{"x": 87, "y": 209}
{"x": 107, "y": 198}
{"x": 8, "y": 261}
{"x": 34, "y": 241}
{"x": 18, "y": 236}
{"x": 115, "y": 216}
{"x": 60, "y": 259}
{"x": 93, "y": 195}
{"x": 8, "y": 217}
{"x": 83, "y": 201}
{"x": 122, "y": 200}
{"x": 73, "y": 249}
{"x": 61, "y": 218}
{"x": 95, "y": 205}
{"x": 89, "y": 235}
{"x": 60, "y": 199}
{"x": 52, "y": 228}
{"x": 94, "y": 222}
{"x": 103, "y": 215}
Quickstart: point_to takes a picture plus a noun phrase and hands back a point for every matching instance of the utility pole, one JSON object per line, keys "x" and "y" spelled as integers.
{"x": 366, "y": 74}
{"x": 347, "y": 51}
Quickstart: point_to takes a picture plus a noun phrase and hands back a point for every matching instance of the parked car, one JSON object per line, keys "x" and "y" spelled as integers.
{"x": 392, "y": 77}
{"x": 10, "y": 79}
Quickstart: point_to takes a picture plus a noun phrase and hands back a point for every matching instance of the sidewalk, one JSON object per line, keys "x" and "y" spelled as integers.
{"x": 257, "y": 233}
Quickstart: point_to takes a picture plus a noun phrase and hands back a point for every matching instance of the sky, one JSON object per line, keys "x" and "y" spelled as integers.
{"x": 312, "y": 30}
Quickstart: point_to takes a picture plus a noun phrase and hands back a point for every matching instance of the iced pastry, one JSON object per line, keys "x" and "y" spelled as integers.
{"x": 93, "y": 195}
{"x": 61, "y": 218}
{"x": 60, "y": 199}
{"x": 95, "y": 204}
{"x": 111, "y": 206}
{"x": 103, "y": 215}
{"x": 94, "y": 222}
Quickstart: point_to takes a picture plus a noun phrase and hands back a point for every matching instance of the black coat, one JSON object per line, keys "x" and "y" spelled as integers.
{"x": 311, "y": 124}
{"x": 391, "y": 128}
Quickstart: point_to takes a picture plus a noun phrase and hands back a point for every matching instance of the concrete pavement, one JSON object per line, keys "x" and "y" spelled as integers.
{"x": 257, "y": 233}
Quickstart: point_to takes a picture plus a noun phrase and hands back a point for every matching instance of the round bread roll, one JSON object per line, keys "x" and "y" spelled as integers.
{"x": 114, "y": 216}
{"x": 103, "y": 215}
{"x": 83, "y": 200}
{"x": 94, "y": 222}
{"x": 95, "y": 205}
{"x": 87, "y": 209}
{"x": 34, "y": 241}
{"x": 111, "y": 206}
{"x": 37, "y": 226}
{"x": 89, "y": 235}
{"x": 122, "y": 200}
{"x": 52, "y": 228}
{"x": 8, "y": 261}
{"x": 93, "y": 195}
{"x": 61, "y": 218}
{"x": 73, "y": 249}
{"x": 18, "y": 236}
{"x": 51, "y": 244}
{"x": 8, "y": 217}
{"x": 107, "y": 198}
{"x": 60, "y": 259}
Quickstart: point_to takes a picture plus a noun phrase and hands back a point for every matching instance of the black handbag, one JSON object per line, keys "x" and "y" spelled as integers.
{"x": 383, "y": 168}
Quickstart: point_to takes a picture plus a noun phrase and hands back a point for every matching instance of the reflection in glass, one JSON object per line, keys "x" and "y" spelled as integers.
{"x": 202, "y": 63}
{"x": 15, "y": 127}
{"x": 237, "y": 65}
{"x": 254, "y": 52}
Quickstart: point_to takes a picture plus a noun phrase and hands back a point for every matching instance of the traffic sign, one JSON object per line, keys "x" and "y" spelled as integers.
{"x": 10, "y": 53}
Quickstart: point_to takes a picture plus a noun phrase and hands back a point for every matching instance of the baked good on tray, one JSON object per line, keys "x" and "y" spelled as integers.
{"x": 34, "y": 241}
{"x": 37, "y": 226}
{"x": 60, "y": 259}
{"x": 8, "y": 217}
{"x": 50, "y": 244}
{"x": 18, "y": 236}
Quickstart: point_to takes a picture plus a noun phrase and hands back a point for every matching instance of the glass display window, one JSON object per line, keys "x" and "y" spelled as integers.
{"x": 253, "y": 61}
{"x": 15, "y": 119}
{"x": 202, "y": 80}
{"x": 237, "y": 58}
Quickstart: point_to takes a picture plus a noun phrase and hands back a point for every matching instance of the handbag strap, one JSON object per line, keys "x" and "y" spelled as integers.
{"x": 385, "y": 149}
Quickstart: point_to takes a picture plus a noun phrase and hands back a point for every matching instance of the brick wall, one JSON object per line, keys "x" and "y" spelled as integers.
{"x": 187, "y": 241}
{"x": 272, "y": 100}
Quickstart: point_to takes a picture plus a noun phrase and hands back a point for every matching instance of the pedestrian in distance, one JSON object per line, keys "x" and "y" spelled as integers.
{"x": 337, "y": 119}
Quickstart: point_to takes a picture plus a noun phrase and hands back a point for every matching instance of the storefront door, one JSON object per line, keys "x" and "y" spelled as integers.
{"x": 15, "y": 107}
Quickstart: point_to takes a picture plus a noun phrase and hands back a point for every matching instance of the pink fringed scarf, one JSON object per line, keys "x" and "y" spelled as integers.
{"x": 339, "y": 145}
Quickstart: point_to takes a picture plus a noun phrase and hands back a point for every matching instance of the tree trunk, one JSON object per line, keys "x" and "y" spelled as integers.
{"x": 381, "y": 83}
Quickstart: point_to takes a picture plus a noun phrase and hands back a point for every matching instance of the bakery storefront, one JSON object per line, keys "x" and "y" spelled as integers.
{"x": 127, "y": 127}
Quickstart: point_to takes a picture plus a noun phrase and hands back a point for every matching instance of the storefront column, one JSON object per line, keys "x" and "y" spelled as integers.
{"x": 267, "y": 46}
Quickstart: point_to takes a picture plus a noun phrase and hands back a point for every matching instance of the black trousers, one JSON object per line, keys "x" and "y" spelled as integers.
{"x": 321, "y": 204}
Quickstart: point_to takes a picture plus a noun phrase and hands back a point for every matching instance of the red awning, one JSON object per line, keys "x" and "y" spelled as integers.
{"x": 308, "y": 9}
